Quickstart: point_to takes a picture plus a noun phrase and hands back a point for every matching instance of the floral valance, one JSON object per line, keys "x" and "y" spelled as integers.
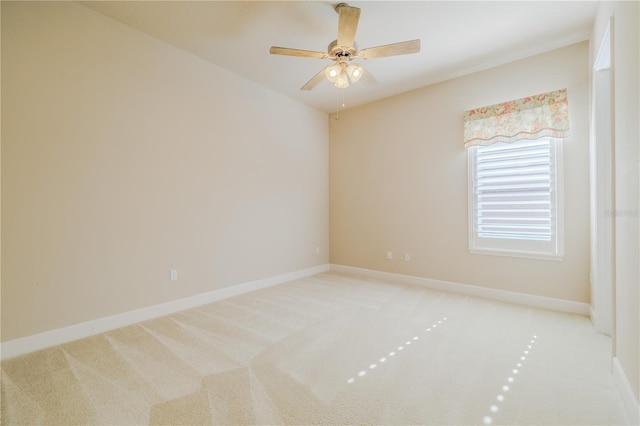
{"x": 532, "y": 117}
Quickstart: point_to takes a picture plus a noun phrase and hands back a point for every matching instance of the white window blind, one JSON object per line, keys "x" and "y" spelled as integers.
{"x": 513, "y": 183}
{"x": 514, "y": 198}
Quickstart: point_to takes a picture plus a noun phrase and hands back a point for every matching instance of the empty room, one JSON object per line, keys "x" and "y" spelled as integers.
{"x": 313, "y": 212}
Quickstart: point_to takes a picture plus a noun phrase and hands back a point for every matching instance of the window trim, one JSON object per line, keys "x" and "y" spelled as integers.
{"x": 558, "y": 205}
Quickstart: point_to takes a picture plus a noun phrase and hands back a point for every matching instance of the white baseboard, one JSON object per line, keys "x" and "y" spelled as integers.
{"x": 630, "y": 399}
{"x": 24, "y": 345}
{"x": 561, "y": 305}
{"x": 592, "y": 316}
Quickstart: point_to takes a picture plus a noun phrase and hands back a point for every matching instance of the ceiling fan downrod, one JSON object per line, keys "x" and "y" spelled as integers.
{"x": 338, "y": 6}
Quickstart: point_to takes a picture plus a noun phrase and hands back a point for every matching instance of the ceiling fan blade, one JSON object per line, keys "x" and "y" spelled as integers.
{"x": 314, "y": 81}
{"x": 275, "y": 50}
{"x": 402, "y": 48}
{"x": 347, "y": 24}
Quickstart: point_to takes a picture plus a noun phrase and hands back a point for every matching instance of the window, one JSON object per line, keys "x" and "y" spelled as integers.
{"x": 515, "y": 198}
{"x": 515, "y": 175}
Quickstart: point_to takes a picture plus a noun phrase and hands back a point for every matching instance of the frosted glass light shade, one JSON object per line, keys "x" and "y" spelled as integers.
{"x": 355, "y": 72}
{"x": 333, "y": 72}
{"x": 342, "y": 82}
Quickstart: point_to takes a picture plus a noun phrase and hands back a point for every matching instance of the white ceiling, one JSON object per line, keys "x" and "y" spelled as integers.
{"x": 458, "y": 37}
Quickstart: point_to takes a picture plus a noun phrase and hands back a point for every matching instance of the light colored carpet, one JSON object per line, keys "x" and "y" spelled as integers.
{"x": 328, "y": 349}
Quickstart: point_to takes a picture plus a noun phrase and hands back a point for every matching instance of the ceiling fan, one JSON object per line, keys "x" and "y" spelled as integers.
{"x": 344, "y": 50}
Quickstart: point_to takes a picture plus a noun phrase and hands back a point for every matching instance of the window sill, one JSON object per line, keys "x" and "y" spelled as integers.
{"x": 514, "y": 253}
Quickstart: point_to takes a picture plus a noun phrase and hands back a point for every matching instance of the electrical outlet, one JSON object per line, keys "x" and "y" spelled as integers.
{"x": 174, "y": 275}
{"x": 389, "y": 255}
{"x": 407, "y": 257}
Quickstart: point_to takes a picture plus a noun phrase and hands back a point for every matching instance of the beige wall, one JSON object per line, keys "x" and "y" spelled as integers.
{"x": 123, "y": 157}
{"x": 398, "y": 180}
{"x": 626, "y": 75}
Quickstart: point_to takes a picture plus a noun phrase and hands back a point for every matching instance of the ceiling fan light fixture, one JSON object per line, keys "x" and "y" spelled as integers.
{"x": 333, "y": 72}
{"x": 342, "y": 82}
{"x": 355, "y": 72}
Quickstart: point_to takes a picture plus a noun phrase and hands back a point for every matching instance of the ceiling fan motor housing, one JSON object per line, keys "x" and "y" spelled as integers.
{"x": 337, "y": 52}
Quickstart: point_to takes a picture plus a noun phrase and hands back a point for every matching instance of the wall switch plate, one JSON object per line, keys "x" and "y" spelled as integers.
{"x": 174, "y": 275}
{"x": 317, "y": 249}
{"x": 389, "y": 255}
{"x": 407, "y": 257}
